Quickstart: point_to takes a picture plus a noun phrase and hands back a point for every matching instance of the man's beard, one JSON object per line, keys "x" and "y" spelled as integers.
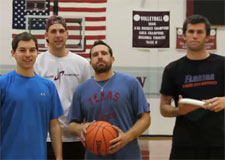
{"x": 102, "y": 69}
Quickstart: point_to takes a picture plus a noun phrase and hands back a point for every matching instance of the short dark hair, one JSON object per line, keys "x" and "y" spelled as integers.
{"x": 24, "y": 36}
{"x": 100, "y": 42}
{"x": 55, "y": 20}
{"x": 196, "y": 19}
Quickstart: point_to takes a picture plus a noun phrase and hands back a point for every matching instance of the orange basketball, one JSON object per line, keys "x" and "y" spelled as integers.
{"x": 98, "y": 135}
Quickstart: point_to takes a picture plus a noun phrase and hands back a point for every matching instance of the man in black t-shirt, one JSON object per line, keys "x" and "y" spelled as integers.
{"x": 198, "y": 132}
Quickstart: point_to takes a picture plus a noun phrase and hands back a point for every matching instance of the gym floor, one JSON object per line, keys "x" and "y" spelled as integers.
{"x": 155, "y": 148}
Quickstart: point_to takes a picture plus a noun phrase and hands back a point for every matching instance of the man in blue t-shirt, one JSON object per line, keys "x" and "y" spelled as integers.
{"x": 113, "y": 97}
{"x": 29, "y": 106}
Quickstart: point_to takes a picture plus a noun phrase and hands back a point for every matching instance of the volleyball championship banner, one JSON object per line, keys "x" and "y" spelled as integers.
{"x": 151, "y": 29}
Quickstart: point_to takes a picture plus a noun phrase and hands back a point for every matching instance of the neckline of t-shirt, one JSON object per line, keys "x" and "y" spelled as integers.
{"x": 104, "y": 81}
{"x": 199, "y": 60}
{"x": 58, "y": 58}
{"x": 24, "y": 77}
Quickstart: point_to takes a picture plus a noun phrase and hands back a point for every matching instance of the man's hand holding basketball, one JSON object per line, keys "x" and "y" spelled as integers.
{"x": 119, "y": 142}
{"x": 83, "y": 132}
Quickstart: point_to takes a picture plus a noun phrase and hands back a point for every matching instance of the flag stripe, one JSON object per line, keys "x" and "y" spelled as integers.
{"x": 87, "y": 28}
{"x": 81, "y": 1}
{"x": 71, "y": 32}
{"x": 85, "y": 55}
{"x": 90, "y": 19}
{"x": 70, "y": 46}
{"x": 95, "y": 19}
{"x": 73, "y": 9}
{"x": 82, "y": 14}
{"x": 95, "y": 28}
{"x": 89, "y": 37}
{"x": 82, "y": 5}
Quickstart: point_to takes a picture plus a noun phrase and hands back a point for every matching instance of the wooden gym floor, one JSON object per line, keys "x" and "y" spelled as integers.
{"x": 155, "y": 148}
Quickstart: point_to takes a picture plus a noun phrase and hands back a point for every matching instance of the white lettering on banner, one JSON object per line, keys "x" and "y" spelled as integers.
{"x": 155, "y": 33}
{"x": 152, "y": 23}
{"x": 161, "y": 28}
{"x": 159, "y": 37}
{"x": 151, "y": 18}
{"x": 150, "y": 42}
{"x": 147, "y": 28}
{"x": 144, "y": 37}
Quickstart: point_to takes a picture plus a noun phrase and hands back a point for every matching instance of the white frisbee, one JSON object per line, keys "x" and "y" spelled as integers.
{"x": 191, "y": 101}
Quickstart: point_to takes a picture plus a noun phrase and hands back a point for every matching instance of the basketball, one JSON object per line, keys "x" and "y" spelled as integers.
{"x": 98, "y": 135}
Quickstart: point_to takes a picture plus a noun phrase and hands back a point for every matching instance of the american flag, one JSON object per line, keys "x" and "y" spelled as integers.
{"x": 92, "y": 12}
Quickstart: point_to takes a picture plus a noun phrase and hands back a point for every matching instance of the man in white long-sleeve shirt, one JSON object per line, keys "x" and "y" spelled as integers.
{"x": 66, "y": 70}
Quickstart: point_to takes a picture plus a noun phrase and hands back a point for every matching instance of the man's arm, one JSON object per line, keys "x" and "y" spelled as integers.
{"x": 166, "y": 109}
{"x": 56, "y": 138}
{"x": 75, "y": 128}
{"x": 139, "y": 127}
{"x": 78, "y": 129}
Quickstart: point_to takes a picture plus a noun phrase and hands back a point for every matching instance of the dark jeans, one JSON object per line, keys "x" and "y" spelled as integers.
{"x": 193, "y": 153}
{"x": 71, "y": 150}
